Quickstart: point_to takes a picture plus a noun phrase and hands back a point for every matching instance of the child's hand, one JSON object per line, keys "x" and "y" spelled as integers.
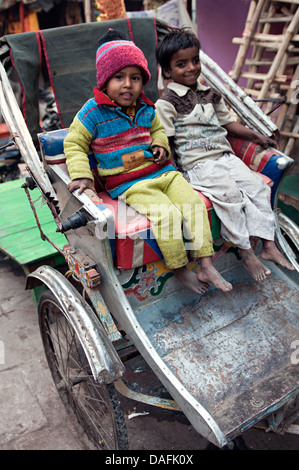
{"x": 241, "y": 131}
{"x": 265, "y": 141}
{"x": 81, "y": 184}
{"x": 160, "y": 155}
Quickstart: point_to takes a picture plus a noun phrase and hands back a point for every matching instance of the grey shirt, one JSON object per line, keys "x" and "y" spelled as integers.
{"x": 195, "y": 120}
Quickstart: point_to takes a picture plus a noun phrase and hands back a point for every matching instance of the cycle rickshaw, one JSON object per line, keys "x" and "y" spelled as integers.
{"x": 226, "y": 360}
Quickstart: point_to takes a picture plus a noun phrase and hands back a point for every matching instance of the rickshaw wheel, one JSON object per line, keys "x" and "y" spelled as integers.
{"x": 96, "y": 406}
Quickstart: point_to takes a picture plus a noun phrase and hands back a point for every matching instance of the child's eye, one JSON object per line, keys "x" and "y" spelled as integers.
{"x": 136, "y": 77}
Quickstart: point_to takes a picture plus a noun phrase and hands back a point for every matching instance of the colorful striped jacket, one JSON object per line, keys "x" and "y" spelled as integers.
{"x": 121, "y": 146}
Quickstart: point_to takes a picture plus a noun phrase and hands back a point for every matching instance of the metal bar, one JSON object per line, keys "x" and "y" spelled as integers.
{"x": 21, "y": 136}
{"x": 148, "y": 399}
{"x": 43, "y": 236}
{"x": 292, "y": 429}
{"x": 283, "y": 245}
{"x": 244, "y": 106}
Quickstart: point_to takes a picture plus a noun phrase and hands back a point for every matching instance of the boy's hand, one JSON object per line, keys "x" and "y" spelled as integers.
{"x": 81, "y": 184}
{"x": 238, "y": 129}
{"x": 265, "y": 141}
{"x": 160, "y": 155}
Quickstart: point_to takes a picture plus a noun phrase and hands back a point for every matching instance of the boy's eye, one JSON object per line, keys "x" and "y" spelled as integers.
{"x": 119, "y": 76}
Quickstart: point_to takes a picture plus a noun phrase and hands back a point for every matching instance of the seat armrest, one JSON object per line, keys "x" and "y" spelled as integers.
{"x": 269, "y": 162}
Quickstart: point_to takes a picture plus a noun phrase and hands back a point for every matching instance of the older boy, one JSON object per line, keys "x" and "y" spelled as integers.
{"x": 196, "y": 122}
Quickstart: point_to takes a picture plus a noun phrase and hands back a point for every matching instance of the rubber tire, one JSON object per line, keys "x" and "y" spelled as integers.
{"x": 104, "y": 421}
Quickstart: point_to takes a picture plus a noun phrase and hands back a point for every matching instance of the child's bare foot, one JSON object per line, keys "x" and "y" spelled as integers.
{"x": 254, "y": 266}
{"x": 209, "y": 273}
{"x": 270, "y": 252}
{"x": 190, "y": 279}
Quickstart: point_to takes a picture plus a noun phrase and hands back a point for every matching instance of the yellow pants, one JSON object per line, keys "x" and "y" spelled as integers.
{"x": 179, "y": 218}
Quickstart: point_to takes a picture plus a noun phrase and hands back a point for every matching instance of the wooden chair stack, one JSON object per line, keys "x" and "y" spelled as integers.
{"x": 268, "y": 59}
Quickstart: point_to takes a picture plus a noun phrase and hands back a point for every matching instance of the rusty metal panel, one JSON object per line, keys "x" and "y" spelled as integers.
{"x": 232, "y": 351}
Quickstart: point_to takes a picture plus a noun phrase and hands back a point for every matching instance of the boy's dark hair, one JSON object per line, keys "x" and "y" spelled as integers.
{"x": 179, "y": 38}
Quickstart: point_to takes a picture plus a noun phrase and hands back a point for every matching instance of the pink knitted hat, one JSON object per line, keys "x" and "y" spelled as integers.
{"x": 114, "y": 55}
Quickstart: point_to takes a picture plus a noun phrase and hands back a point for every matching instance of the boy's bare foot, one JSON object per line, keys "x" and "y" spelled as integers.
{"x": 254, "y": 266}
{"x": 190, "y": 279}
{"x": 209, "y": 273}
{"x": 270, "y": 252}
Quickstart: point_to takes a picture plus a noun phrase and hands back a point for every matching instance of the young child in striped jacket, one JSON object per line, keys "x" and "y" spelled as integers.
{"x": 128, "y": 140}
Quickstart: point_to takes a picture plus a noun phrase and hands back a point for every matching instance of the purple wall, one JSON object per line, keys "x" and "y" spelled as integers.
{"x": 218, "y": 21}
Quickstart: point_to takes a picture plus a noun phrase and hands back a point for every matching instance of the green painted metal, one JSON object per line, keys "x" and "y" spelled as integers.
{"x": 19, "y": 235}
{"x": 290, "y": 186}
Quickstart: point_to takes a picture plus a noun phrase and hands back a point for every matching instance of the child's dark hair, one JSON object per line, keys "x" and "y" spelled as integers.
{"x": 179, "y": 38}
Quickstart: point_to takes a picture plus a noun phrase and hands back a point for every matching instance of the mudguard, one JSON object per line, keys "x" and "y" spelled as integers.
{"x": 104, "y": 362}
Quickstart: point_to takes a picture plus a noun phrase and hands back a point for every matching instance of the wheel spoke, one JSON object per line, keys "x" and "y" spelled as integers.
{"x": 98, "y": 424}
{"x": 98, "y": 413}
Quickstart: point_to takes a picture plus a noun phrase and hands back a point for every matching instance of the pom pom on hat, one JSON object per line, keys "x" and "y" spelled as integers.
{"x": 116, "y": 52}
{"x": 112, "y": 35}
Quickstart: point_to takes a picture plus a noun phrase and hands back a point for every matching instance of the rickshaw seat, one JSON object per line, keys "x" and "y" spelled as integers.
{"x": 134, "y": 242}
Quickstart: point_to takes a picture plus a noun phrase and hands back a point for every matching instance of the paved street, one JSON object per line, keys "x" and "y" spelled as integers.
{"x": 32, "y": 416}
